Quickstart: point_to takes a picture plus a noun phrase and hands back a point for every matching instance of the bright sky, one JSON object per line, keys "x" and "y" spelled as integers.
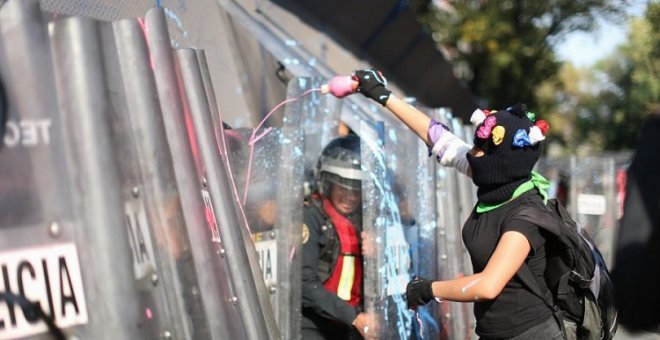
{"x": 584, "y": 49}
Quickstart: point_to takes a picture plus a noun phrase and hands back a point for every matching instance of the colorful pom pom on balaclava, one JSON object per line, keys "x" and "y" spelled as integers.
{"x": 510, "y": 141}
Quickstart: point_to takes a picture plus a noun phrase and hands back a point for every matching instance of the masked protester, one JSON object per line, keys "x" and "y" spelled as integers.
{"x": 506, "y": 147}
{"x": 332, "y": 275}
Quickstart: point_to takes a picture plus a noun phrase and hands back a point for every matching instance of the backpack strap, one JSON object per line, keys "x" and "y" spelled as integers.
{"x": 531, "y": 282}
{"x": 539, "y": 218}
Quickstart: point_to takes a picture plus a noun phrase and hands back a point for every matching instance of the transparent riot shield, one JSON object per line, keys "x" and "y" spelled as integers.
{"x": 213, "y": 284}
{"x": 386, "y": 270}
{"x": 557, "y": 171}
{"x": 65, "y": 256}
{"x": 466, "y": 189}
{"x": 308, "y": 124}
{"x": 263, "y": 316}
{"x": 319, "y": 116}
{"x": 468, "y": 130}
{"x": 416, "y": 252}
{"x": 274, "y": 214}
{"x": 386, "y": 250}
{"x": 457, "y": 317}
{"x": 593, "y": 200}
{"x": 221, "y": 193}
{"x": 271, "y": 166}
{"x": 588, "y": 188}
{"x": 163, "y": 263}
{"x": 466, "y": 192}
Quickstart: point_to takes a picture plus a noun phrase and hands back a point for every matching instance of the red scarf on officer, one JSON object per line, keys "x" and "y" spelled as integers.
{"x": 350, "y": 250}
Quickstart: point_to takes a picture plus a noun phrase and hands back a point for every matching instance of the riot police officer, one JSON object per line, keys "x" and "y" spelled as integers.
{"x": 332, "y": 275}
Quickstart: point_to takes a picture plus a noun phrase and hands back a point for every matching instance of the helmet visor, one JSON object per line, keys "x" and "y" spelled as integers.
{"x": 352, "y": 184}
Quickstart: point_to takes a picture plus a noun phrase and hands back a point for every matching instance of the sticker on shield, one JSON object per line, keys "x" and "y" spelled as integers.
{"x": 266, "y": 246}
{"x": 139, "y": 237}
{"x": 397, "y": 253}
{"x": 48, "y": 276}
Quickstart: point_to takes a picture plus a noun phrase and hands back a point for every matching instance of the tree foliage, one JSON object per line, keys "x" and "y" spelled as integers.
{"x": 503, "y": 49}
{"x": 604, "y": 107}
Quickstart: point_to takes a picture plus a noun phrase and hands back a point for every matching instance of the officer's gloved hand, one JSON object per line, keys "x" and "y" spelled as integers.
{"x": 419, "y": 292}
{"x": 371, "y": 84}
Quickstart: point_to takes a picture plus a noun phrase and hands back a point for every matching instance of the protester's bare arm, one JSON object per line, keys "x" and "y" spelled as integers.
{"x": 509, "y": 255}
{"x": 416, "y": 120}
{"x": 449, "y": 150}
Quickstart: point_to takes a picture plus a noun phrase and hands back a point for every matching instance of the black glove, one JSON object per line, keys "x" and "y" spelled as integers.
{"x": 419, "y": 292}
{"x": 371, "y": 84}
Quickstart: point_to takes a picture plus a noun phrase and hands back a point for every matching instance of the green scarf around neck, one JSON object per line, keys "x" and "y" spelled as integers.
{"x": 539, "y": 182}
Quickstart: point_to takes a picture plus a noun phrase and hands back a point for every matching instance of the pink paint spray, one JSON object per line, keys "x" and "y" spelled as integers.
{"x": 338, "y": 86}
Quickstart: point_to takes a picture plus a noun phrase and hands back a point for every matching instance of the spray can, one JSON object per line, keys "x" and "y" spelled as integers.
{"x": 340, "y": 86}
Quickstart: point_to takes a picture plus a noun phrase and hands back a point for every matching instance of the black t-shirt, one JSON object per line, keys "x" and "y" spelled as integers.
{"x": 516, "y": 309}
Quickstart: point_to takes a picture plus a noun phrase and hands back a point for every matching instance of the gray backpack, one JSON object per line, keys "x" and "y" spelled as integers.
{"x": 580, "y": 292}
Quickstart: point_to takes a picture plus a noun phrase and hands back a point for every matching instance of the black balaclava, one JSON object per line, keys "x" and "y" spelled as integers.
{"x": 504, "y": 166}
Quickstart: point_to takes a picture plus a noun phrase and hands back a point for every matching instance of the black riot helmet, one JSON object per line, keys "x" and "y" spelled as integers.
{"x": 340, "y": 164}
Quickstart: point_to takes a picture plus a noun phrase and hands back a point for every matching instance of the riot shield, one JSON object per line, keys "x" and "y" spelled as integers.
{"x": 307, "y": 124}
{"x": 587, "y": 186}
{"x": 387, "y": 266}
{"x": 386, "y": 250}
{"x": 466, "y": 189}
{"x": 274, "y": 214}
{"x": 593, "y": 200}
{"x": 457, "y": 317}
{"x": 319, "y": 116}
{"x": 414, "y": 188}
{"x": 466, "y": 193}
{"x": 211, "y": 266}
{"x": 212, "y": 166}
{"x": 468, "y": 130}
{"x": 266, "y": 161}
{"x": 162, "y": 260}
{"x": 104, "y": 160}
{"x": 66, "y": 260}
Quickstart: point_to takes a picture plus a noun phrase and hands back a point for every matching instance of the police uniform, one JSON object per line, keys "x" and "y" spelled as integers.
{"x": 331, "y": 273}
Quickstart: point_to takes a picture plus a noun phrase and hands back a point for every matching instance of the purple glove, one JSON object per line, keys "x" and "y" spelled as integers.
{"x": 449, "y": 150}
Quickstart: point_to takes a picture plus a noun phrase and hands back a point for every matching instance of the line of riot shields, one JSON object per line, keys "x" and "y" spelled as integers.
{"x": 128, "y": 210}
{"x": 593, "y": 190}
{"x": 117, "y": 211}
{"x": 412, "y": 210}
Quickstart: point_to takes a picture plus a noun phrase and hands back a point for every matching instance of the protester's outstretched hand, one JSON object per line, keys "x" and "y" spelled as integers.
{"x": 372, "y": 84}
{"x": 418, "y": 292}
